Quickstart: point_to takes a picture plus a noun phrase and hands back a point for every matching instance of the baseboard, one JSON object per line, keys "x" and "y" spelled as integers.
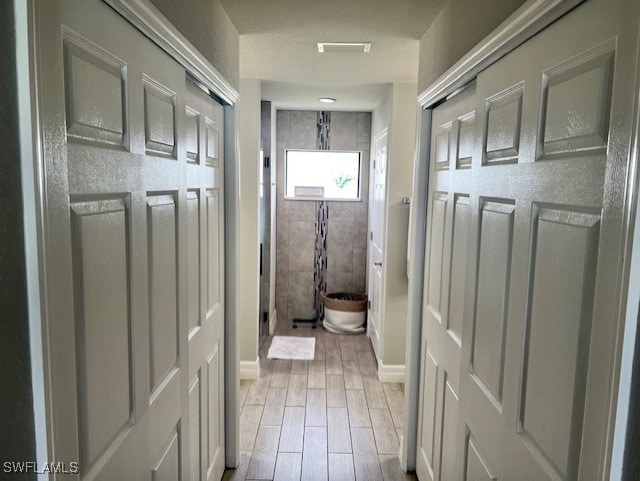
{"x": 250, "y": 369}
{"x": 272, "y": 322}
{"x": 391, "y": 372}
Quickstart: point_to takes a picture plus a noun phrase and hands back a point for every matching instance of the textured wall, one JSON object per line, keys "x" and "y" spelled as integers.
{"x": 459, "y": 26}
{"x": 17, "y": 438}
{"x": 397, "y": 112}
{"x": 207, "y": 26}
{"x": 399, "y": 185}
{"x": 381, "y": 116}
{"x": 295, "y": 220}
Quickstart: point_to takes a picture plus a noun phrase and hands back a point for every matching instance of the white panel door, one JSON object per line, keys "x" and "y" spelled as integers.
{"x": 448, "y": 215}
{"x": 376, "y": 240}
{"x": 545, "y": 200}
{"x": 205, "y": 239}
{"x": 133, "y": 246}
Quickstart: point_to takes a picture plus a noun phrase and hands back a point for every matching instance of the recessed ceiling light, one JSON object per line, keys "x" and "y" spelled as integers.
{"x": 327, "y": 100}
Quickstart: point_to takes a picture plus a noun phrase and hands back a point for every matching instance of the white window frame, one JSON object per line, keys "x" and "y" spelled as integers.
{"x": 322, "y": 198}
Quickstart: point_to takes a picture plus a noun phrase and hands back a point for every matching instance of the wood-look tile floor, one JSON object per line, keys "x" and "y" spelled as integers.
{"x": 326, "y": 419}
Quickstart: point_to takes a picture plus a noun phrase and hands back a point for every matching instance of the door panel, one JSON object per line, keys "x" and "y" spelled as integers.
{"x": 194, "y": 256}
{"x": 163, "y": 291}
{"x": 101, "y": 249}
{"x": 565, "y": 244}
{"x": 537, "y": 151}
{"x": 195, "y": 429}
{"x": 438, "y": 211}
{"x": 477, "y": 468}
{"x": 458, "y": 265}
{"x": 133, "y": 258}
{"x": 168, "y": 466}
{"x": 449, "y": 437}
{"x": 494, "y": 269}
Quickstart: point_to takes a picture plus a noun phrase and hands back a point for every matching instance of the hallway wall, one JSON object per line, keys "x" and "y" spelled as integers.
{"x": 459, "y": 26}
{"x": 295, "y": 225}
{"x": 248, "y": 304}
{"x": 397, "y": 112}
{"x": 208, "y": 27}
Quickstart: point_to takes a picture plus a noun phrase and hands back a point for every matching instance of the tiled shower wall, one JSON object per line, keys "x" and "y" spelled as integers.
{"x": 295, "y": 219}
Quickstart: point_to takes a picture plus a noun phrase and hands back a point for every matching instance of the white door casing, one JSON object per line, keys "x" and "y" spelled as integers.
{"x": 376, "y": 242}
{"x": 133, "y": 231}
{"x": 273, "y": 317}
{"x": 548, "y": 128}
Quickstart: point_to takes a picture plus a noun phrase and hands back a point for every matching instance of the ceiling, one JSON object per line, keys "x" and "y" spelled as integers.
{"x": 278, "y": 45}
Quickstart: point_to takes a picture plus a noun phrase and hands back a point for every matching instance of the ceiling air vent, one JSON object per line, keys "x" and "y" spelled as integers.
{"x": 344, "y": 47}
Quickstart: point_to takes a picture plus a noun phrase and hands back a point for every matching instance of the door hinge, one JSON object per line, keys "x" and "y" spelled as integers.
{"x": 371, "y": 235}
{"x": 369, "y": 303}
{"x": 267, "y": 162}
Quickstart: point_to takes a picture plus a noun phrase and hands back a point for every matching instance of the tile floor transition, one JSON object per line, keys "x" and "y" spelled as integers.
{"x": 326, "y": 419}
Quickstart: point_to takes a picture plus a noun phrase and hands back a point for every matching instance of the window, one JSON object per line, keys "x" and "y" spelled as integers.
{"x": 322, "y": 174}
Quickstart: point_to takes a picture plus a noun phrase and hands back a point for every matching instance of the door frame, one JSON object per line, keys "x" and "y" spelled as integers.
{"x": 531, "y": 18}
{"x": 32, "y": 189}
{"x": 143, "y": 16}
{"x": 273, "y": 314}
{"x": 628, "y": 333}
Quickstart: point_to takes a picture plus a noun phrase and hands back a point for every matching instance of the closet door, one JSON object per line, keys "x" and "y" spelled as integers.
{"x": 544, "y": 263}
{"x": 205, "y": 282}
{"x": 133, "y": 277}
{"x": 448, "y": 216}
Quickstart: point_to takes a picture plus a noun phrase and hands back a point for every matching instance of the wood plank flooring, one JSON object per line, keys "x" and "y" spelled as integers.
{"x": 326, "y": 419}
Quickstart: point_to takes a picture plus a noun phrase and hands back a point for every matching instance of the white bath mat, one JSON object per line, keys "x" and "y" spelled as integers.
{"x": 286, "y": 347}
